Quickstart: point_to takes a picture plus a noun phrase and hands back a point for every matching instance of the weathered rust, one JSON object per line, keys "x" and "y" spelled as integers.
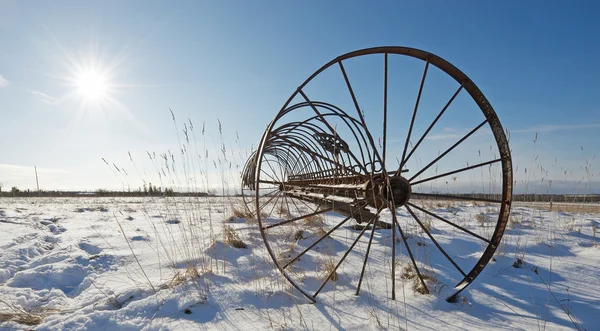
{"x": 339, "y": 168}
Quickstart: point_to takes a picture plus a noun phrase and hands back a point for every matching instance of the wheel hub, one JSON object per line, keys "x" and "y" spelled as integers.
{"x": 399, "y": 191}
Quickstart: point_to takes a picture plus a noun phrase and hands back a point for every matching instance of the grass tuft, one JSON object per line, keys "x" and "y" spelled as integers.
{"x": 231, "y": 237}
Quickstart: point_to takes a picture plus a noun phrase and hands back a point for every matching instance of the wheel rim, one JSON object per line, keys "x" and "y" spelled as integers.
{"x": 319, "y": 161}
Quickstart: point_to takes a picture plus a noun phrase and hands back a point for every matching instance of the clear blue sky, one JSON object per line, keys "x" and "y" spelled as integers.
{"x": 238, "y": 61}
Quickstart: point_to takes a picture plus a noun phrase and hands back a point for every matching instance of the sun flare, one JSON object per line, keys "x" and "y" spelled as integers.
{"x": 92, "y": 85}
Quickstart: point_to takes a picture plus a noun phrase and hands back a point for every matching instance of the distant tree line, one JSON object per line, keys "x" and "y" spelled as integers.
{"x": 146, "y": 190}
{"x": 578, "y": 198}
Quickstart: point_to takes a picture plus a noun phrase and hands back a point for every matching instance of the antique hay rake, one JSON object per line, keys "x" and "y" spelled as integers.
{"x": 340, "y": 162}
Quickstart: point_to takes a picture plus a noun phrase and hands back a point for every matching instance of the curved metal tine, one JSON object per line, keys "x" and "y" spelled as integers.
{"x": 333, "y": 130}
{"x": 305, "y": 166}
{"x": 304, "y": 141}
{"x": 298, "y": 218}
{"x": 435, "y": 241}
{"x": 362, "y": 273}
{"x": 429, "y": 128}
{"x": 385, "y": 97}
{"x": 316, "y": 110}
{"x": 349, "y": 121}
{"x": 414, "y": 115}
{"x": 334, "y": 111}
{"x": 448, "y": 150}
{"x": 372, "y": 223}
{"x": 455, "y": 197}
{"x": 319, "y": 155}
{"x": 448, "y": 222}
{"x": 456, "y": 171}
{"x": 301, "y": 135}
{"x": 323, "y": 237}
{"x": 300, "y": 160}
{"x": 301, "y": 154}
{"x": 395, "y": 218}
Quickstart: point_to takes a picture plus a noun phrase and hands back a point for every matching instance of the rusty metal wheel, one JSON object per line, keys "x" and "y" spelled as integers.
{"x": 386, "y": 165}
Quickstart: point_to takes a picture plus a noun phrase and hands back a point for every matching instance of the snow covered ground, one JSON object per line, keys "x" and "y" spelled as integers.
{"x": 158, "y": 263}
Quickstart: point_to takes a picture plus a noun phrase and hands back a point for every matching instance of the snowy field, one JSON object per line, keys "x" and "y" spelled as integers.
{"x": 170, "y": 264}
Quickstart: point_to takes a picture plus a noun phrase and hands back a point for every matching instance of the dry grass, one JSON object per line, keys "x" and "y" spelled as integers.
{"x": 480, "y": 219}
{"x": 284, "y": 212}
{"x": 231, "y": 237}
{"x": 241, "y": 212}
{"x": 427, "y": 223}
{"x": 513, "y": 221}
{"x": 21, "y": 318}
{"x": 315, "y": 221}
{"x": 591, "y": 208}
{"x": 180, "y": 277}
{"x": 298, "y": 235}
{"x": 320, "y": 232}
{"x": 18, "y": 314}
{"x": 327, "y": 266}
{"x": 409, "y": 273}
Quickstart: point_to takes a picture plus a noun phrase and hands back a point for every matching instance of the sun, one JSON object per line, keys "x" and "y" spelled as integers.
{"x": 92, "y": 85}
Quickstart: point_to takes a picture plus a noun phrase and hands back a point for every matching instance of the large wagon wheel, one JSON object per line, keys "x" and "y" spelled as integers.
{"x": 424, "y": 186}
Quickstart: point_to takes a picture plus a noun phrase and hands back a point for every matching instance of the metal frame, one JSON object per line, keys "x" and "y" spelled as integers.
{"x": 322, "y": 169}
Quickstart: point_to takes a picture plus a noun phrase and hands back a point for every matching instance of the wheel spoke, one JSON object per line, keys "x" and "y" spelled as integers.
{"x": 273, "y": 170}
{"x": 434, "y": 241}
{"x": 393, "y": 260}
{"x": 316, "y": 111}
{"x": 271, "y": 177}
{"x": 269, "y": 201}
{"x": 297, "y": 218}
{"x": 414, "y": 115}
{"x": 448, "y": 222}
{"x": 414, "y": 263}
{"x": 448, "y": 150}
{"x": 301, "y": 200}
{"x": 456, "y": 171}
{"x": 322, "y": 237}
{"x": 296, "y": 205}
{"x": 429, "y": 128}
{"x": 360, "y": 114}
{"x": 371, "y": 222}
{"x": 385, "y": 97}
{"x": 362, "y": 273}
{"x": 262, "y": 196}
{"x": 275, "y": 204}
